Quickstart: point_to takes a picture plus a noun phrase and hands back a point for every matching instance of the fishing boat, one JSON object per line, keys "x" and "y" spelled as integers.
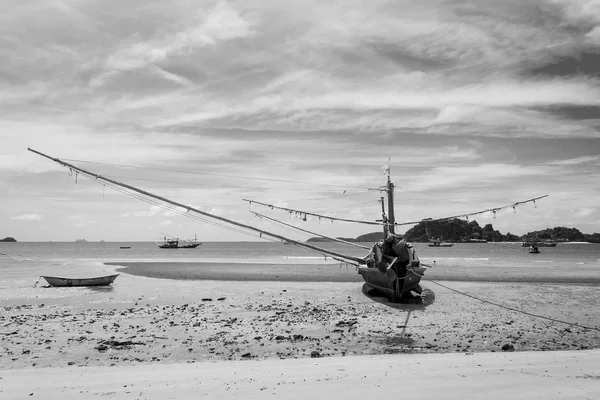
{"x": 98, "y": 281}
{"x": 391, "y": 265}
{"x": 124, "y": 247}
{"x": 176, "y": 244}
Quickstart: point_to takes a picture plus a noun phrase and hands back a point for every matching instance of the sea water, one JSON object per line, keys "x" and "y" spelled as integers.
{"x": 21, "y": 264}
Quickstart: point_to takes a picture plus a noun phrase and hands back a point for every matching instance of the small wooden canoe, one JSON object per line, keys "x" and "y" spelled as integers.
{"x": 98, "y": 281}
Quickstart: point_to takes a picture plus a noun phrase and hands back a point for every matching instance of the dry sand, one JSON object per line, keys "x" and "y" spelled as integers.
{"x": 229, "y": 326}
{"x": 526, "y": 375}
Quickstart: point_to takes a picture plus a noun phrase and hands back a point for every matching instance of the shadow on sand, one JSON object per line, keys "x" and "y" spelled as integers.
{"x": 417, "y": 303}
{"x": 100, "y": 289}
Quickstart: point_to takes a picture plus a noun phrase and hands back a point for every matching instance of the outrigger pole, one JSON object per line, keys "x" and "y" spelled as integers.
{"x": 206, "y": 214}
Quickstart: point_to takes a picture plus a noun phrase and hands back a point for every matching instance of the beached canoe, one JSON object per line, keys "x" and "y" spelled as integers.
{"x": 98, "y": 281}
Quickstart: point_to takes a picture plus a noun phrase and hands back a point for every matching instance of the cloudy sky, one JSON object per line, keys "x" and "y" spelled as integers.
{"x": 478, "y": 104}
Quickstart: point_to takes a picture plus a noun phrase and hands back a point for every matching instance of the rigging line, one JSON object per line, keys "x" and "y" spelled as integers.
{"x": 208, "y": 174}
{"x": 515, "y": 309}
{"x": 313, "y": 214}
{"x": 200, "y": 184}
{"x": 175, "y": 210}
{"x": 492, "y": 210}
{"x": 309, "y": 232}
{"x": 206, "y": 214}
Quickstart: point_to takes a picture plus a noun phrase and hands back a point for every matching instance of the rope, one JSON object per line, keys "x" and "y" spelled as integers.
{"x": 307, "y": 231}
{"x": 515, "y": 309}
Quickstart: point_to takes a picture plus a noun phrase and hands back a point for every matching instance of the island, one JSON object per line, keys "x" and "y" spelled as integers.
{"x": 461, "y": 231}
{"x": 8, "y": 239}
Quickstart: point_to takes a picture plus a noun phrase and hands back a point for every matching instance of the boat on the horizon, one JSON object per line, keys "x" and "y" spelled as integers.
{"x": 177, "y": 244}
{"x": 440, "y": 243}
{"x": 533, "y": 249}
{"x": 97, "y": 281}
{"x": 533, "y": 246}
{"x": 124, "y": 247}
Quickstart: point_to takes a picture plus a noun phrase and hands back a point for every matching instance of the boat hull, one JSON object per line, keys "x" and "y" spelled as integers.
{"x": 98, "y": 281}
{"x": 186, "y": 246}
{"x": 395, "y": 288}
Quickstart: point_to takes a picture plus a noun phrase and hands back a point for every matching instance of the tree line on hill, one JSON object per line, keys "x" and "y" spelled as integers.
{"x": 458, "y": 230}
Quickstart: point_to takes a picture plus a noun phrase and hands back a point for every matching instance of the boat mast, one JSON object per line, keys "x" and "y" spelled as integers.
{"x": 390, "y": 192}
{"x": 384, "y": 219}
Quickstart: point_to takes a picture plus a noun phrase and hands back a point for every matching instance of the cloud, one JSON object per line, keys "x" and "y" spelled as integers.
{"x": 577, "y": 161}
{"x": 28, "y": 217}
{"x": 151, "y": 212}
{"x": 461, "y": 95}
{"x": 221, "y": 22}
{"x": 585, "y": 212}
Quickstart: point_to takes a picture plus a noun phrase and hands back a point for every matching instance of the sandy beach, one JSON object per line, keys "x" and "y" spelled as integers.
{"x": 202, "y": 315}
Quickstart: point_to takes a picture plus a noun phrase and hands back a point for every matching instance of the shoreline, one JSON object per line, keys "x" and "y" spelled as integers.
{"x": 289, "y": 272}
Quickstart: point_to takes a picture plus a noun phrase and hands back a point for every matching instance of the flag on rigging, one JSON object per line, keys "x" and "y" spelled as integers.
{"x": 386, "y": 167}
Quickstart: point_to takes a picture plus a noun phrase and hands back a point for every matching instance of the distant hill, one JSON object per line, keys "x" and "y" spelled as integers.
{"x": 8, "y": 239}
{"x": 458, "y": 230}
{"x": 367, "y": 237}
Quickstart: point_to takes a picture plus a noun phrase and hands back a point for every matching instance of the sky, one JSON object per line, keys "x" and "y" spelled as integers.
{"x": 476, "y": 104}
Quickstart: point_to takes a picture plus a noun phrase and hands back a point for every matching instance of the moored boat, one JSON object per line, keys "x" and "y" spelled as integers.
{"x": 392, "y": 266}
{"x": 97, "y": 281}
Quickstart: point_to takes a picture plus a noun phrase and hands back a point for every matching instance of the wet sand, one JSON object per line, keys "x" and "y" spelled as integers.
{"x": 342, "y": 273}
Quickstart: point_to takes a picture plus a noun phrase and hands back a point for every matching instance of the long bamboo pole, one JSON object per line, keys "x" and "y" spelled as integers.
{"x": 206, "y": 214}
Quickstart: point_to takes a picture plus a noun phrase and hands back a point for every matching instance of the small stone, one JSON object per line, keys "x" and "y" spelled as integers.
{"x": 508, "y": 347}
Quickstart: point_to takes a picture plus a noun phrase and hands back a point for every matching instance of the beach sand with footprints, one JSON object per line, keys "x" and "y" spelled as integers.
{"x": 301, "y": 329}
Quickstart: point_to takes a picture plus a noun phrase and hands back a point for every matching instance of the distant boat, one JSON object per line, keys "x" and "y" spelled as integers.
{"x": 99, "y": 281}
{"x": 439, "y": 243}
{"x": 125, "y": 247}
{"x": 176, "y": 244}
{"x": 533, "y": 249}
